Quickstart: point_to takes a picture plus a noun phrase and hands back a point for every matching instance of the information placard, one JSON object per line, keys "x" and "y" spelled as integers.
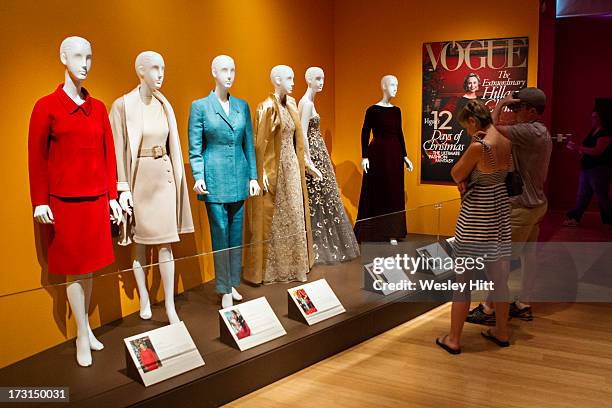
{"x": 378, "y": 280}
{"x": 162, "y": 353}
{"x": 249, "y": 324}
{"x": 313, "y": 302}
{"x": 435, "y": 256}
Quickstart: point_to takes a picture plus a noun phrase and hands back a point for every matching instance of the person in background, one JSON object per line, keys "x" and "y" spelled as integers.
{"x": 595, "y": 171}
{"x": 531, "y": 149}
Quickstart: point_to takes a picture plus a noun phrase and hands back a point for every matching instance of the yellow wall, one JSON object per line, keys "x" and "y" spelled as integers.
{"x": 258, "y": 34}
{"x": 355, "y": 42}
{"x": 375, "y": 38}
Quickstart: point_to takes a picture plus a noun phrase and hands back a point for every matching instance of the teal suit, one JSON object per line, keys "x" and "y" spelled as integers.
{"x": 221, "y": 153}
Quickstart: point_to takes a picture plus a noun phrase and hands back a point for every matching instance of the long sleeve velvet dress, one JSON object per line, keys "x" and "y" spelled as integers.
{"x": 381, "y": 214}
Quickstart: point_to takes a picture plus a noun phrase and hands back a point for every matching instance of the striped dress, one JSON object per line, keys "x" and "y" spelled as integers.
{"x": 483, "y": 227}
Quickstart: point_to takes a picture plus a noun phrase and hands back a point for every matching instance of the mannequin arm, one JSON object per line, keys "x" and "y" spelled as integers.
{"x": 111, "y": 161}
{"x": 38, "y": 154}
{"x": 115, "y": 208}
{"x": 264, "y": 144}
{"x": 365, "y": 135}
{"x": 365, "y": 164}
{"x": 306, "y": 114}
{"x": 408, "y": 163}
{"x": 266, "y": 183}
{"x": 254, "y": 189}
{"x": 43, "y": 214}
{"x": 126, "y": 202}
{"x": 249, "y": 144}
{"x": 121, "y": 145}
{"x": 403, "y": 144}
{"x": 200, "y": 187}
{"x": 196, "y": 141}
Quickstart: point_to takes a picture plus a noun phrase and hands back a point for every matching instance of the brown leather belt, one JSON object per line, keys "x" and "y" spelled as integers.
{"x": 156, "y": 152}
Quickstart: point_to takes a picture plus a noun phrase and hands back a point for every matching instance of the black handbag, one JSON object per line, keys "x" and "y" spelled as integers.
{"x": 514, "y": 181}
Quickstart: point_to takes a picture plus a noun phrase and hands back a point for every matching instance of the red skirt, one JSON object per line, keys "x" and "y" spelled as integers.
{"x": 80, "y": 239}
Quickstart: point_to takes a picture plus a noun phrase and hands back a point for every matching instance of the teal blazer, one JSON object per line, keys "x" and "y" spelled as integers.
{"x": 221, "y": 149}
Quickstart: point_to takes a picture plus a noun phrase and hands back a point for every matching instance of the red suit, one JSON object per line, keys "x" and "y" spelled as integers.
{"x": 72, "y": 169}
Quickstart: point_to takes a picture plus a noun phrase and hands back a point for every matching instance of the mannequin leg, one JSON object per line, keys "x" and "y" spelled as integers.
{"x": 139, "y": 258}
{"x": 94, "y": 343}
{"x": 236, "y": 221}
{"x": 166, "y": 269}
{"x": 76, "y": 297}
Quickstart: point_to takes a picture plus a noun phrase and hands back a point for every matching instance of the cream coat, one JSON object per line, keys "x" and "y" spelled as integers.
{"x": 126, "y": 122}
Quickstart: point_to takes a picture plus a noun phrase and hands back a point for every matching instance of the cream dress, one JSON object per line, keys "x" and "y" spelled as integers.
{"x": 154, "y": 190}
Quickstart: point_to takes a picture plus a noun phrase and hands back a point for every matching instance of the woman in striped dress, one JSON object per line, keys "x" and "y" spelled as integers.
{"x": 483, "y": 227}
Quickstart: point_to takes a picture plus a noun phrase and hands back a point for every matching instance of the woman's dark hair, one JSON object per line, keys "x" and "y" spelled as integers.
{"x": 468, "y": 76}
{"x": 478, "y": 110}
{"x": 605, "y": 117}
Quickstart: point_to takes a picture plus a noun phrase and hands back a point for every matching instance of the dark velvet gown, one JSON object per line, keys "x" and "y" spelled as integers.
{"x": 381, "y": 214}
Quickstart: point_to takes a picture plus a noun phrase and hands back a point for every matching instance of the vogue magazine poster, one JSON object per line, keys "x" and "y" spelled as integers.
{"x": 454, "y": 72}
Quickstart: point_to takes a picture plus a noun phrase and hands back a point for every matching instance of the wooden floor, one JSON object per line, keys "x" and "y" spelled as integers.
{"x": 561, "y": 359}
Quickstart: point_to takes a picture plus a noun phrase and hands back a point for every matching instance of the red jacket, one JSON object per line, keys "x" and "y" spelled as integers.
{"x": 70, "y": 149}
{"x": 149, "y": 360}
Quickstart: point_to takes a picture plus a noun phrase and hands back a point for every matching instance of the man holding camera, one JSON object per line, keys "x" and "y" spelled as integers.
{"x": 531, "y": 149}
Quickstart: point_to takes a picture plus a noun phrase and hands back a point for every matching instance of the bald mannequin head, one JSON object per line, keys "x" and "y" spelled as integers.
{"x": 224, "y": 71}
{"x": 73, "y": 43}
{"x": 389, "y": 84}
{"x": 282, "y": 78}
{"x": 150, "y": 69}
{"x": 75, "y": 54}
{"x": 315, "y": 78}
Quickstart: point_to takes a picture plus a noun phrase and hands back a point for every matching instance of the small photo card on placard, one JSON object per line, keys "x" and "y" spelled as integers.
{"x": 252, "y": 323}
{"x": 163, "y": 353}
{"x": 379, "y": 280}
{"x": 316, "y": 301}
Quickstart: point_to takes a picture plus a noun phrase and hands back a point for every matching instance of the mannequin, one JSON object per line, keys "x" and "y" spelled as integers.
{"x": 69, "y": 131}
{"x": 333, "y": 237}
{"x": 222, "y": 158}
{"x": 151, "y": 179}
{"x": 278, "y": 230}
{"x": 389, "y": 85}
{"x": 382, "y": 190}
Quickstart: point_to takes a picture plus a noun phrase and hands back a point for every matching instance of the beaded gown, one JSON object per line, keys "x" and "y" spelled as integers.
{"x": 332, "y": 233}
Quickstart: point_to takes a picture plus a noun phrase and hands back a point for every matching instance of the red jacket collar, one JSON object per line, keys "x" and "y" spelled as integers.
{"x": 71, "y": 105}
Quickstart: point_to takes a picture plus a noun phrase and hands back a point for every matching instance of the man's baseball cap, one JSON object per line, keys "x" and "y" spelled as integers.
{"x": 532, "y": 96}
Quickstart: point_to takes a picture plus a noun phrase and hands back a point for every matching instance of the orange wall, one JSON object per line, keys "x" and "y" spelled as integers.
{"x": 374, "y": 38}
{"x": 355, "y": 41}
{"x": 258, "y": 34}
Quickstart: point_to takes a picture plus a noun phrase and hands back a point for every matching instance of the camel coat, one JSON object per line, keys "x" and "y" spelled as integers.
{"x": 267, "y": 131}
{"x": 126, "y": 122}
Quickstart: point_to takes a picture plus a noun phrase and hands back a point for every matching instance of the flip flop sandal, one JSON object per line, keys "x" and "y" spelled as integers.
{"x": 446, "y": 347}
{"x": 487, "y": 335}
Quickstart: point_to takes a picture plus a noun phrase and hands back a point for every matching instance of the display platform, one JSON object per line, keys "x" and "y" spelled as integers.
{"x": 228, "y": 373}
